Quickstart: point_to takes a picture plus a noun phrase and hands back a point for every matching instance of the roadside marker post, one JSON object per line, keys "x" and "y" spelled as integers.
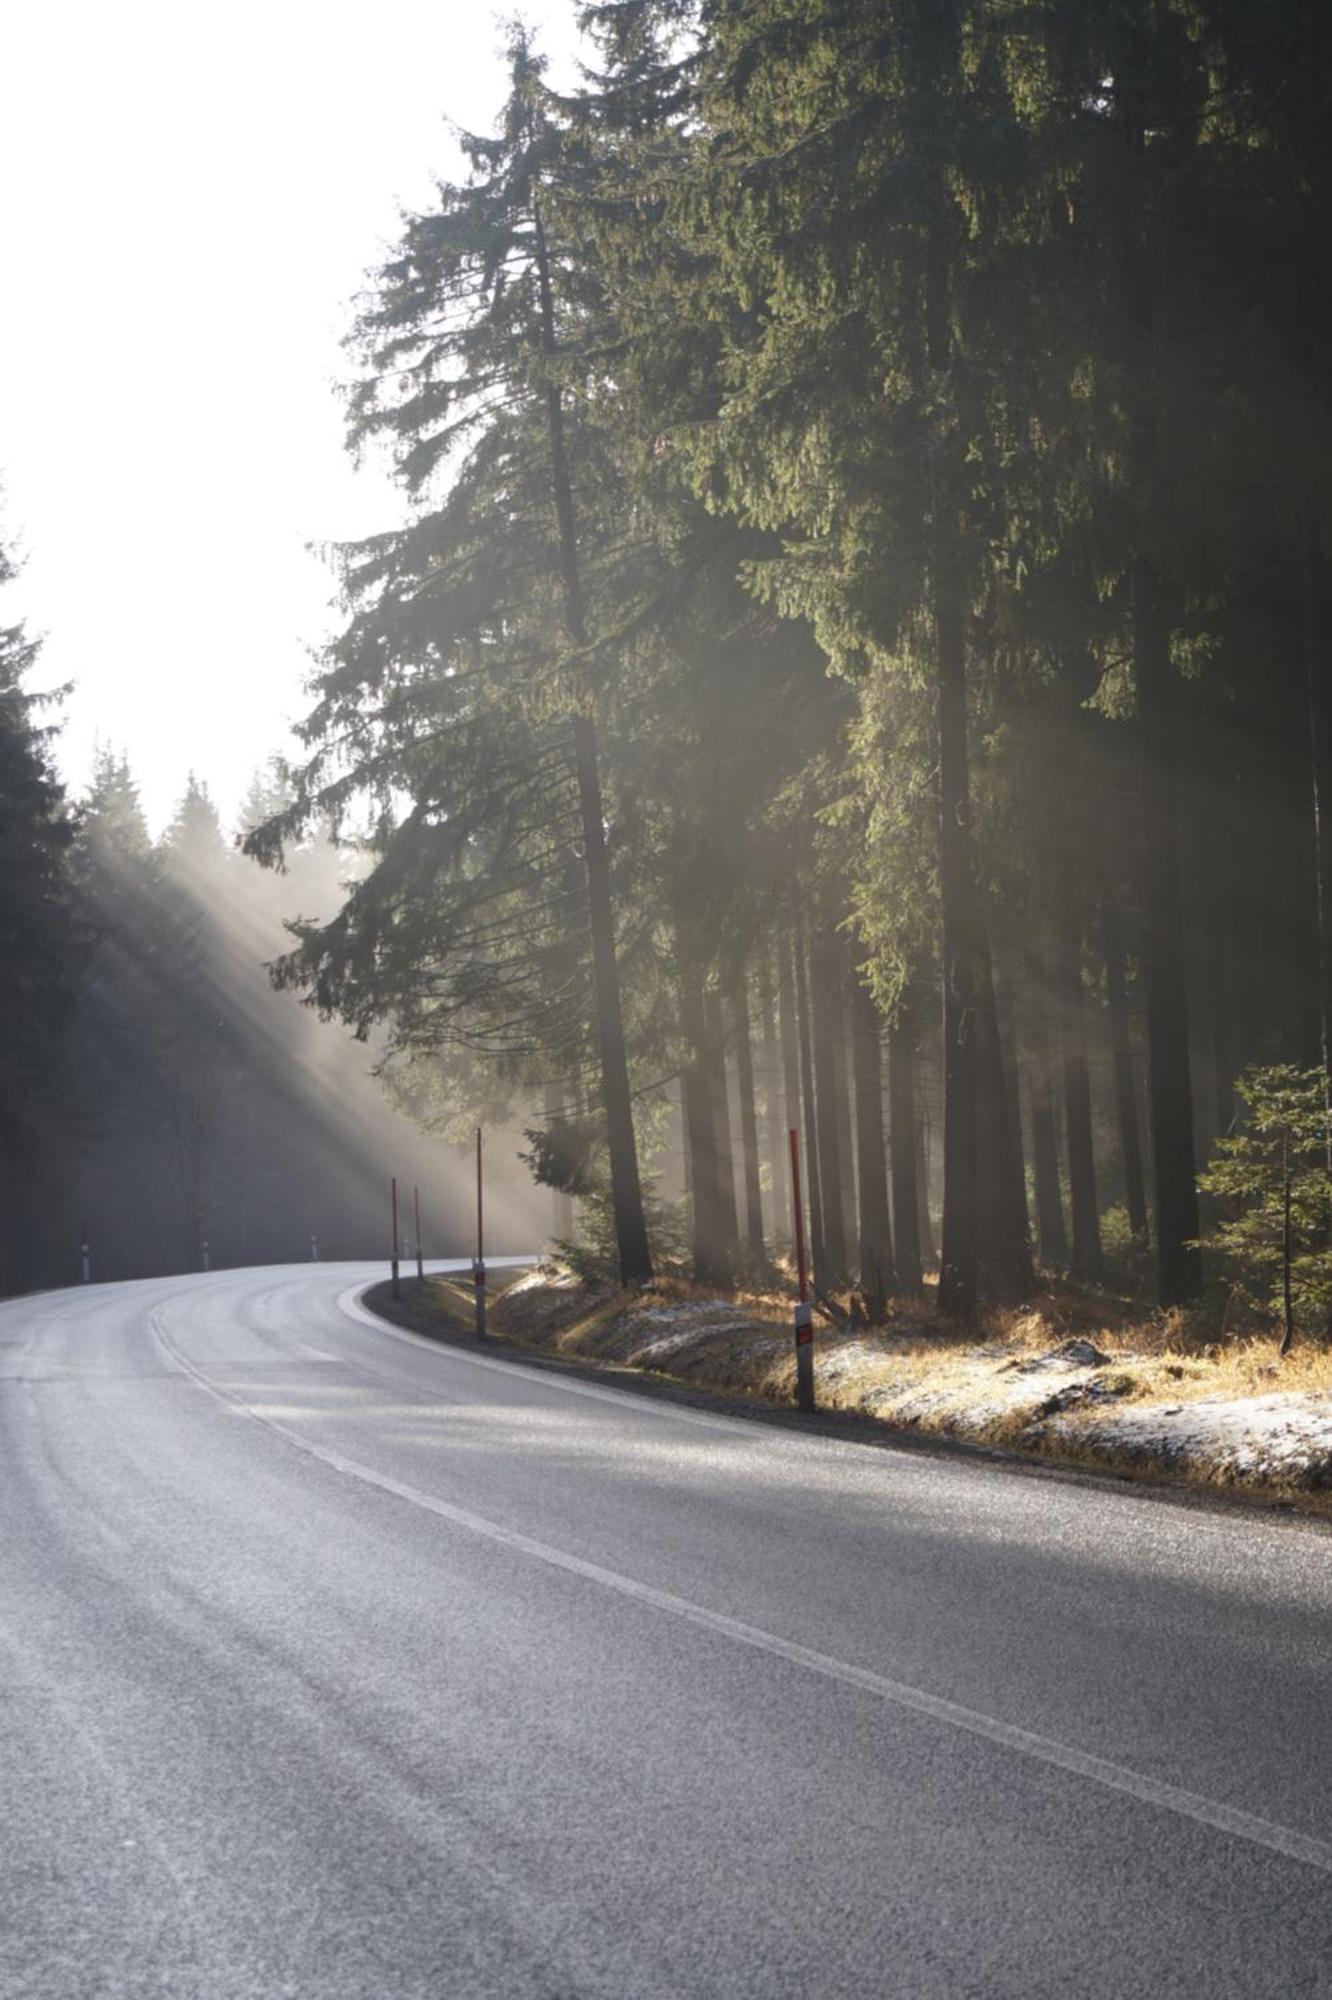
{"x": 420, "y": 1267}
{"x": 804, "y": 1316}
{"x": 479, "y": 1261}
{"x": 314, "y": 1248}
{"x": 396, "y": 1287}
{"x": 207, "y": 1262}
{"x": 85, "y": 1258}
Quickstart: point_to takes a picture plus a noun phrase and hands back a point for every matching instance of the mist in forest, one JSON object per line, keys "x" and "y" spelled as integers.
{"x": 210, "y": 1119}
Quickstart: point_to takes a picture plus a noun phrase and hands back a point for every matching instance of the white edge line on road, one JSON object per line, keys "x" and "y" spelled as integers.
{"x": 350, "y": 1302}
{"x": 1283, "y": 1840}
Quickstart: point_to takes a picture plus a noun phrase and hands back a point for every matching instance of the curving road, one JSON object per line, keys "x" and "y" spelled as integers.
{"x": 336, "y": 1664}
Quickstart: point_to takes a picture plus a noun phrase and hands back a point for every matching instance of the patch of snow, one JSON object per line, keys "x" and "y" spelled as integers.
{"x": 543, "y": 1278}
{"x": 1285, "y": 1437}
{"x": 1070, "y": 1354}
{"x": 672, "y": 1328}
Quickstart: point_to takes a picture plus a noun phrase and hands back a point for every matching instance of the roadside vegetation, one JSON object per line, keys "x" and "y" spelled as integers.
{"x": 1080, "y": 1376}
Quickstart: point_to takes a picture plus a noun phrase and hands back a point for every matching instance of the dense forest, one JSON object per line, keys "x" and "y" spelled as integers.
{"x": 853, "y": 657}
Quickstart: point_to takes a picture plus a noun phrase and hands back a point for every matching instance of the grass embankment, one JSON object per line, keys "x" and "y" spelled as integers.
{"x": 1085, "y": 1377}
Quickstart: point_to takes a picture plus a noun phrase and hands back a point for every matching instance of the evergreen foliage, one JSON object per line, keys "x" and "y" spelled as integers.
{"x": 855, "y": 654}
{"x": 1274, "y": 1180}
{"x": 851, "y": 410}
{"x": 42, "y": 947}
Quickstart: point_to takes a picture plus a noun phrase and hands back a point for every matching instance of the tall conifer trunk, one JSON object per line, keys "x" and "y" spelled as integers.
{"x": 728, "y": 1217}
{"x": 789, "y": 1028}
{"x": 814, "y": 1195}
{"x": 957, "y": 895}
{"x": 635, "y": 1256}
{"x": 1044, "y": 1143}
{"x": 925, "y": 1220}
{"x": 562, "y": 1210}
{"x": 878, "y": 1277}
{"x": 902, "y": 1146}
{"x": 825, "y": 993}
{"x": 1086, "y": 1260}
{"x": 754, "y": 1247}
{"x": 1005, "y": 1012}
{"x": 1178, "y": 1263}
{"x": 1223, "y": 1069}
{"x": 1003, "y": 1247}
{"x": 779, "y": 1226}
{"x": 843, "y": 1079}
{"x": 709, "y": 1247}
{"x": 1121, "y": 1056}
{"x": 1317, "y": 670}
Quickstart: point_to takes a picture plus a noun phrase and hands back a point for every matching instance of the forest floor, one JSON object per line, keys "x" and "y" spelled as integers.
{"x": 1081, "y": 1375}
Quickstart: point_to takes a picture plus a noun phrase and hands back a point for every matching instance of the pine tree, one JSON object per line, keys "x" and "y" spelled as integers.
{"x": 471, "y": 342}
{"x": 42, "y": 949}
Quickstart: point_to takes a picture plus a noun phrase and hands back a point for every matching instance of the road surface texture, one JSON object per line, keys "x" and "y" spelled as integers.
{"x": 336, "y": 1664}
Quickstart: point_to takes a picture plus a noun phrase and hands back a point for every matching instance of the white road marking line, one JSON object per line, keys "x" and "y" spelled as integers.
{"x": 350, "y": 1303}
{"x": 1277, "y": 1839}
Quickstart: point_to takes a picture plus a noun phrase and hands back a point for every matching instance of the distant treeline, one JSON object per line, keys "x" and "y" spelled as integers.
{"x": 162, "y": 1105}
{"x": 867, "y": 593}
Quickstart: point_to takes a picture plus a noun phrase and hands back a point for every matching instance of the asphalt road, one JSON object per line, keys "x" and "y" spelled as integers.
{"x": 336, "y": 1664}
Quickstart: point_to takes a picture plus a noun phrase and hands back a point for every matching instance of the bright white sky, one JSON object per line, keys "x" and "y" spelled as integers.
{"x": 192, "y": 195}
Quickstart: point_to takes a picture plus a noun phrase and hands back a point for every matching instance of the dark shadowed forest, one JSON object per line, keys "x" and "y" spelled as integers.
{"x": 854, "y": 656}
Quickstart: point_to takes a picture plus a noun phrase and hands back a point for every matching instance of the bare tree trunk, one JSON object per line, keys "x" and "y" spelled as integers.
{"x": 902, "y": 1131}
{"x": 728, "y": 1219}
{"x": 1121, "y": 1055}
{"x": 1179, "y": 1265}
{"x": 790, "y": 1035}
{"x": 1287, "y": 1301}
{"x": 1005, "y": 1010}
{"x": 878, "y": 1277}
{"x": 843, "y": 1074}
{"x": 825, "y": 988}
{"x": 755, "y": 1249}
{"x": 635, "y": 1256}
{"x": 817, "y": 1246}
{"x": 928, "y": 1249}
{"x": 1003, "y": 1243}
{"x": 1044, "y": 1146}
{"x": 1317, "y": 612}
{"x": 710, "y": 1248}
{"x": 1223, "y": 1061}
{"x": 1086, "y": 1262}
{"x": 779, "y": 1164}
{"x": 957, "y": 892}
{"x": 562, "y": 1215}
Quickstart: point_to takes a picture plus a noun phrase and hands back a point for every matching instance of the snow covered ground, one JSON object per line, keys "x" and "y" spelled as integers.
{"x": 1072, "y": 1400}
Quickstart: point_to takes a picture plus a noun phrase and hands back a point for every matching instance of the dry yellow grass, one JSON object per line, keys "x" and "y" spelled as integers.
{"x": 1151, "y": 1354}
{"x": 1004, "y": 1381}
{"x": 1078, "y": 1376}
